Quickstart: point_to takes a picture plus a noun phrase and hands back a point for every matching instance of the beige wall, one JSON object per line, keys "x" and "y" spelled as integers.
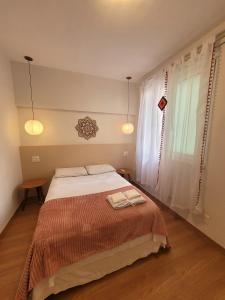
{"x": 10, "y": 170}
{"x": 60, "y": 128}
{"x": 58, "y": 89}
{"x": 61, "y": 98}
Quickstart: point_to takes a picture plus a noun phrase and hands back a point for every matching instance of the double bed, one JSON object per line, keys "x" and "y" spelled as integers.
{"x": 80, "y": 238}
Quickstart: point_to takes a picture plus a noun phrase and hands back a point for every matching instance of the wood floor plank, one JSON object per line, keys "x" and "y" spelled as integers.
{"x": 194, "y": 269}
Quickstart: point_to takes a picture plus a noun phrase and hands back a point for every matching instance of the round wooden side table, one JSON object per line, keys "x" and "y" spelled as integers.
{"x": 33, "y": 184}
{"x": 124, "y": 172}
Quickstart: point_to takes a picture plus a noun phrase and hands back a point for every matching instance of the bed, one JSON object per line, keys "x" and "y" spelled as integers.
{"x": 104, "y": 248}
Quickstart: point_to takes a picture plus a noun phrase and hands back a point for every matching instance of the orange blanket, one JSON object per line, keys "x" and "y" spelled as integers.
{"x": 74, "y": 228}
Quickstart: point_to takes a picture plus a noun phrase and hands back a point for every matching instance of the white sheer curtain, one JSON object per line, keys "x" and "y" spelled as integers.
{"x": 149, "y": 131}
{"x": 184, "y": 121}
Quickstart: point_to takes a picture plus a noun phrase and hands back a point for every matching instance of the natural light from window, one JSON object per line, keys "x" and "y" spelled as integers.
{"x": 187, "y": 99}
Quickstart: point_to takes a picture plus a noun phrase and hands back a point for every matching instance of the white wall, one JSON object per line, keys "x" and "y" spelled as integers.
{"x": 10, "y": 170}
{"x": 63, "y": 97}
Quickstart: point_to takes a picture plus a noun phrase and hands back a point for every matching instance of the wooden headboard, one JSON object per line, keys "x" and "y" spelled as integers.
{"x": 52, "y": 157}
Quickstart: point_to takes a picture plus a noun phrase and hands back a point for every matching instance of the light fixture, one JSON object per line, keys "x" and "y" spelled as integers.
{"x": 32, "y": 127}
{"x": 128, "y": 127}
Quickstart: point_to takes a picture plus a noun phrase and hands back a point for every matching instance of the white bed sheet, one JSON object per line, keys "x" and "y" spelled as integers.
{"x": 84, "y": 185}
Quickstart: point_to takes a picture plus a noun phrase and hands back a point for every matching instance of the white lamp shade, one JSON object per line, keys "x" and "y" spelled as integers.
{"x": 128, "y": 128}
{"x": 33, "y": 127}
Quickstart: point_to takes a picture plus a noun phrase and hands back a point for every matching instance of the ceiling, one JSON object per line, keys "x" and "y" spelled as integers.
{"x": 109, "y": 38}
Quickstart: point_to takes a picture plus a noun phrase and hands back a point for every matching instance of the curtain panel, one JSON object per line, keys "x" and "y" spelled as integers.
{"x": 149, "y": 131}
{"x": 180, "y": 166}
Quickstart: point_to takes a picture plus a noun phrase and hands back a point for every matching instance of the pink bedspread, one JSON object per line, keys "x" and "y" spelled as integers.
{"x": 74, "y": 228}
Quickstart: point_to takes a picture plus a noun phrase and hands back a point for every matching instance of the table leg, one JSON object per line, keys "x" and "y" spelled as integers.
{"x": 42, "y": 195}
{"x": 25, "y": 198}
{"x": 129, "y": 178}
{"x": 39, "y": 194}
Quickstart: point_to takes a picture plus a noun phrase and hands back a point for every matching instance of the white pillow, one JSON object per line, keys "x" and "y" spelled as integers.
{"x": 70, "y": 172}
{"x": 99, "y": 169}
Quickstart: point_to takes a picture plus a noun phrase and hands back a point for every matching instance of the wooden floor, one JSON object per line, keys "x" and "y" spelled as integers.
{"x": 193, "y": 270}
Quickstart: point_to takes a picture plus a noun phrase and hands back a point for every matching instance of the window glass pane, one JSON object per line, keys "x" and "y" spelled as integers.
{"x": 185, "y": 122}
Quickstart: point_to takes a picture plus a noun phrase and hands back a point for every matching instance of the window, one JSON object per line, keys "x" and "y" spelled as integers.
{"x": 185, "y": 118}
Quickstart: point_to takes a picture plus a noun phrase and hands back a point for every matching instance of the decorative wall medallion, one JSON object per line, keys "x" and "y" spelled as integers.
{"x": 86, "y": 128}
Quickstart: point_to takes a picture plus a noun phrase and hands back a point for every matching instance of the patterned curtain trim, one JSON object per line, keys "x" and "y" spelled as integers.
{"x": 163, "y": 126}
{"x": 206, "y": 127}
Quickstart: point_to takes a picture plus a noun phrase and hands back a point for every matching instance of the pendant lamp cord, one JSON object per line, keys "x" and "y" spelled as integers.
{"x": 31, "y": 90}
{"x": 128, "y": 93}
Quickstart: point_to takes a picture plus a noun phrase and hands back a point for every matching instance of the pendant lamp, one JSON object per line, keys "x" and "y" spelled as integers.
{"x": 33, "y": 126}
{"x": 128, "y": 127}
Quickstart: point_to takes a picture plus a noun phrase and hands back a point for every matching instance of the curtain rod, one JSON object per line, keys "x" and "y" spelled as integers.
{"x": 219, "y": 39}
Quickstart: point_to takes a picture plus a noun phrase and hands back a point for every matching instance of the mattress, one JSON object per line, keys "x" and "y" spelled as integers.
{"x": 100, "y": 264}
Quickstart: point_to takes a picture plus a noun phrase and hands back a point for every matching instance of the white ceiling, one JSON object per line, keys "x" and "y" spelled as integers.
{"x": 109, "y": 38}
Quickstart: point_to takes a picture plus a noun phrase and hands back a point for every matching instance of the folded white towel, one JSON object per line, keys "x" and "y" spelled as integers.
{"x": 137, "y": 200}
{"x": 117, "y": 197}
{"x": 131, "y": 194}
{"x": 118, "y": 200}
{"x": 119, "y": 205}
